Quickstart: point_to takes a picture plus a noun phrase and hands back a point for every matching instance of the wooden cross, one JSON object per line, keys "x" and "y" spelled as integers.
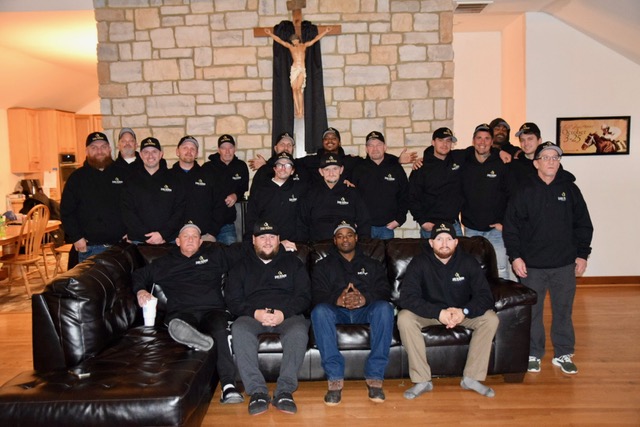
{"x": 295, "y": 6}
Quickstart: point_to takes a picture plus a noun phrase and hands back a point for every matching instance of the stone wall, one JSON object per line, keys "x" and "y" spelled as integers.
{"x": 167, "y": 68}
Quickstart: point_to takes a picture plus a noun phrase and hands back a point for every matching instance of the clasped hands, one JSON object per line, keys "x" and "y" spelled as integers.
{"x": 269, "y": 316}
{"x": 351, "y": 298}
{"x": 451, "y": 317}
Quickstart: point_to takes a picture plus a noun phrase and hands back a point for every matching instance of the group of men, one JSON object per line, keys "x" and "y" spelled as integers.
{"x": 520, "y": 199}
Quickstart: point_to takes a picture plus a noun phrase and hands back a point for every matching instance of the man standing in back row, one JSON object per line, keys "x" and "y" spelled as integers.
{"x": 547, "y": 232}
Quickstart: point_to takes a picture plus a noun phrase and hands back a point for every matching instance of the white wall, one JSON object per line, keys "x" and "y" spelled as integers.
{"x": 568, "y": 75}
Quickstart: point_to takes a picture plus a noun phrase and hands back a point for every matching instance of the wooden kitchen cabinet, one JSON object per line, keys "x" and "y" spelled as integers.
{"x": 57, "y": 136}
{"x": 24, "y": 140}
{"x": 85, "y": 124}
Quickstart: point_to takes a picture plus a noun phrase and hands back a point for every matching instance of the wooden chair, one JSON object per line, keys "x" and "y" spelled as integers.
{"x": 27, "y": 249}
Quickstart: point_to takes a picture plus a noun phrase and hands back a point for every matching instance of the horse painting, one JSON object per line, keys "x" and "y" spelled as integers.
{"x": 603, "y": 146}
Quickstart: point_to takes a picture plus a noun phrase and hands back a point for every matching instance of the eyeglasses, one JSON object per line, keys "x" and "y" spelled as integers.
{"x": 284, "y": 166}
{"x": 550, "y": 158}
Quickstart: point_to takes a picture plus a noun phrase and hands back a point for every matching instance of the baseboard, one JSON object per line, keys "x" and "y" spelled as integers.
{"x": 608, "y": 281}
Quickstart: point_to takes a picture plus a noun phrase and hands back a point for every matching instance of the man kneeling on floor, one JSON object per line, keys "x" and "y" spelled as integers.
{"x": 191, "y": 278}
{"x": 269, "y": 291}
{"x": 446, "y": 287}
{"x": 349, "y": 287}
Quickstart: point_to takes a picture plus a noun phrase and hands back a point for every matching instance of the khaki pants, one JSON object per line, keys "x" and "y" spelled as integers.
{"x": 484, "y": 329}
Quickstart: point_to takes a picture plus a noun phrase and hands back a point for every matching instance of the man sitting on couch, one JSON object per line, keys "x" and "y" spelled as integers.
{"x": 191, "y": 278}
{"x": 446, "y": 287}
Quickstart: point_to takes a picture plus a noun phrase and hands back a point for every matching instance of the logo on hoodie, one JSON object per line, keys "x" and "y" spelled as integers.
{"x": 363, "y": 272}
{"x": 492, "y": 174}
{"x": 202, "y": 260}
{"x": 117, "y": 180}
{"x": 280, "y": 275}
{"x": 293, "y": 198}
{"x": 457, "y": 278}
{"x": 562, "y": 197}
{"x": 343, "y": 202}
{"x": 166, "y": 189}
{"x": 200, "y": 183}
{"x": 389, "y": 178}
{"x": 236, "y": 177}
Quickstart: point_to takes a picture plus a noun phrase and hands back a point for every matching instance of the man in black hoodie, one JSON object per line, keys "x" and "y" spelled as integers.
{"x": 446, "y": 287}
{"x": 547, "y": 232}
{"x": 232, "y": 175}
{"x": 90, "y": 206}
{"x": 153, "y": 199}
{"x": 269, "y": 290}
{"x": 190, "y": 276}
{"x": 383, "y": 184}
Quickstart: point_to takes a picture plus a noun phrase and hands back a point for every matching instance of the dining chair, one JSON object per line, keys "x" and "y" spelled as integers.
{"x": 27, "y": 249}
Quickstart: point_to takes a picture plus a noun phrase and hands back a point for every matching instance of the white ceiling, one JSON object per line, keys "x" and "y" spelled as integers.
{"x": 48, "y": 48}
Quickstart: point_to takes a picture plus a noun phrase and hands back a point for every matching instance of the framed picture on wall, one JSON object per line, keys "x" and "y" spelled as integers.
{"x": 579, "y": 136}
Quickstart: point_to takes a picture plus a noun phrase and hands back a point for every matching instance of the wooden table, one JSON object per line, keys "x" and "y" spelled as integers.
{"x": 13, "y": 232}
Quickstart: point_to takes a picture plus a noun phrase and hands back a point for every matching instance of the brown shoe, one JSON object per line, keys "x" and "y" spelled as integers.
{"x": 375, "y": 391}
{"x": 334, "y": 393}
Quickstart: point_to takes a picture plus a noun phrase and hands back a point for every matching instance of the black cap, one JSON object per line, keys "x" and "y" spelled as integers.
{"x": 150, "y": 142}
{"x": 226, "y": 138}
{"x": 547, "y": 145}
{"x": 96, "y": 136}
{"x": 286, "y": 135}
{"x": 329, "y": 159}
{"x": 284, "y": 157}
{"x": 264, "y": 227}
{"x": 126, "y": 130}
{"x": 529, "y": 128}
{"x": 444, "y": 133}
{"x": 331, "y": 130}
{"x": 344, "y": 224}
{"x": 443, "y": 227}
{"x": 374, "y": 135}
{"x": 189, "y": 138}
{"x": 483, "y": 128}
{"x": 499, "y": 121}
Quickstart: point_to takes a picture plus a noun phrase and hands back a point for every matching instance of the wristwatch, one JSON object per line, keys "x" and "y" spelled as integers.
{"x": 465, "y": 311}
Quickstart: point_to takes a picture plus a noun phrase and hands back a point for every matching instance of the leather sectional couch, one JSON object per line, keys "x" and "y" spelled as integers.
{"x": 95, "y": 364}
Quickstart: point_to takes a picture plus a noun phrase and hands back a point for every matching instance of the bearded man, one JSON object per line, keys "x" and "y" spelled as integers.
{"x": 90, "y": 206}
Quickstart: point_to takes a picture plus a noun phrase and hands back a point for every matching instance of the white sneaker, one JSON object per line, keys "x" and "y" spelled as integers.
{"x": 534, "y": 364}
{"x": 566, "y": 364}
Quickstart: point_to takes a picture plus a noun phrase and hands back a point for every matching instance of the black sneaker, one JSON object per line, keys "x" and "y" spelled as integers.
{"x": 333, "y": 397}
{"x": 258, "y": 404}
{"x": 186, "y": 334}
{"x": 284, "y": 402}
{"x": 231, "y": 395}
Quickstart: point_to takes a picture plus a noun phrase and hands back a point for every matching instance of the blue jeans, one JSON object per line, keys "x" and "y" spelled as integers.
{"x": 379, "y": 315}
{"x": 495, "y": 237}
{"x": 381, "y": 232}
{"x": 92, "y": 250}
{"x": 227, "y": 234}
{"x": 427, "y": 234}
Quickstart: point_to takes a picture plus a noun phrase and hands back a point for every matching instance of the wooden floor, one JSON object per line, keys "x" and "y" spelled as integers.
{"x": 606, "y": 391}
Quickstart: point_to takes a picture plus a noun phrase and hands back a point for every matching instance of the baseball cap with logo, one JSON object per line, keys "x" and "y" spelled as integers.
{"x": 333, "y": 131}
{"x": 283, "y": 158}
{"x": 190, "y": 224}
{"x": 547, "y": 145}
{"x": 126, "y": 130}
{"x": 150, "y": 142}
{"x": 226, "y": 138}
{"x": 286, "y": 135}
{"x": 444, "y": 133}
{"x": 189, "y": 138}
{"x": 96, "y": 136}
{"x": 483, "y": 128}
{"x": 443, "y": 227}
{"x": 374, "y": 135}
{"x": 344, "y": 224}
{"x": 264, "y": 227}
{"x": 529, "y": 128}
{"x": 329, "y": 159}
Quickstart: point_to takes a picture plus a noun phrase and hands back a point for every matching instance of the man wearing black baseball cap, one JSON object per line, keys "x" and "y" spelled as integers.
{"x": 232, "y": 175}
{"x": 501, "y": 137}
{"x": 547, "y": 232}
{"x": 342, "y": 297}
{"x": 269, "y": 291}
{"x": 522, "y": 165}
{"x": 446, "y": 287}
{"x": 90, "y": 206}
{"x": 153, "y": 201}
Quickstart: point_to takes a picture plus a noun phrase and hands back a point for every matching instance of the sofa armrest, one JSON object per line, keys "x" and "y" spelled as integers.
{"x": 507, "y": 293}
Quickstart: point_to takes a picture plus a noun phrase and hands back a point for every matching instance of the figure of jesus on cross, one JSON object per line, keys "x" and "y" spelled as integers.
{"x": 298, "y": 75}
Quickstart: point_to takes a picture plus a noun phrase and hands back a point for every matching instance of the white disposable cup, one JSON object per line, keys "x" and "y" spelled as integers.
{"x": 149, "y": 312}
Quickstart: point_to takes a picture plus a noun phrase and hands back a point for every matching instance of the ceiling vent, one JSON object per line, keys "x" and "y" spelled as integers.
{"x": 471, "y": 6}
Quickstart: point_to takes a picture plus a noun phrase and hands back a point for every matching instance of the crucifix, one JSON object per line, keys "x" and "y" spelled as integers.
{"x": 297, "y": 48}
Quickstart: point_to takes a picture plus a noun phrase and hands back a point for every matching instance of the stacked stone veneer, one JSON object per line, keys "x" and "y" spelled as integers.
{"x": 173, "y": 67}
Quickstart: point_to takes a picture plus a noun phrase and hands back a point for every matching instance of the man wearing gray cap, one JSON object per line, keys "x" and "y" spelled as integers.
{"x": 190, "y": 276}
{"x": 547, "y": 232}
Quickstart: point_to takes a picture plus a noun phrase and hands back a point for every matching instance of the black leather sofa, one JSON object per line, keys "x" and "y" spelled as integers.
{"x": 87, "y": 322}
